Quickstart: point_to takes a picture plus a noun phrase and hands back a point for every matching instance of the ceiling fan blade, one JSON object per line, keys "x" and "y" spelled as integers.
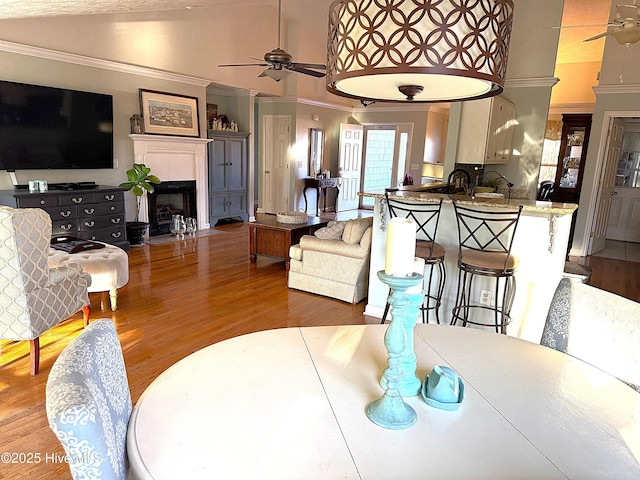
{"x": 305, "y": 71}
{"x": 600, "y": 35}
{"x": 315, "y": 66}
{"x": 246, "y": 65}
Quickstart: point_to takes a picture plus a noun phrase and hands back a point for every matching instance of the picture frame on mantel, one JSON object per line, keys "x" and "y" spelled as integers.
{"x": 169, "y": 114}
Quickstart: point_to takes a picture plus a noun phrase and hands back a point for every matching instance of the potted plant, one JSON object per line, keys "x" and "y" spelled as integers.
{"x": 139, "y": 180}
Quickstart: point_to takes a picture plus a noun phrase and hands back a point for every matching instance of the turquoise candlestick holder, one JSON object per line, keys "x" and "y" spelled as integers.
{"x": 391, "y": 411}
{"x": 406, "y": 307}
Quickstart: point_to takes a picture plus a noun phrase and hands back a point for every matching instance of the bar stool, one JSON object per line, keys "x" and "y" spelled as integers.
{"x": 485, "y": 239}
{"x": 426, "y": 217}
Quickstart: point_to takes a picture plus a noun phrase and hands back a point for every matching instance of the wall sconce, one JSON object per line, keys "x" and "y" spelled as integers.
{"x": 315, "y": 117}
{"x": 418, "y": 51}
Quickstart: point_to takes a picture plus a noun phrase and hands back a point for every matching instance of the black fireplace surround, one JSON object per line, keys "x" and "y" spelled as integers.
{"x": 168, "y": 199}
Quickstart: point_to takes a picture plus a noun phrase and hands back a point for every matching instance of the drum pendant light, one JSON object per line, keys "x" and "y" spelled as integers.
{"x": 418, "y": 50}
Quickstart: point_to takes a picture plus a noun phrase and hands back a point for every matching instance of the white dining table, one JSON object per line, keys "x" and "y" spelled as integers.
{"x": 290, "y": 404}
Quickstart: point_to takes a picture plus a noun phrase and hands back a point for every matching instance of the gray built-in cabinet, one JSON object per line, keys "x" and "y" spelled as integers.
{"x": 227, "y": 157}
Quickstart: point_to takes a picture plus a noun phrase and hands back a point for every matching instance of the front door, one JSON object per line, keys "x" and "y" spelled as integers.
{"x": 349, "y": 165}
{"x": 275, "y": 155}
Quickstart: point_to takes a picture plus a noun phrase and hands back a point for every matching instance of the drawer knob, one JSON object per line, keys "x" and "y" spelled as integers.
{"x": 115, "y": 220}
{"x": 112, "y": 208}
{"x": 89, "y": 211}
{"x": 66, "y": 227}
{"x": 116, "y": 234}
{"x": 76, "y": 199}
{"x": 89, "y": 224}
{"x": 109, "y": 197}
{"x": 65, "y": 214}
{"x": 41, "y": 202}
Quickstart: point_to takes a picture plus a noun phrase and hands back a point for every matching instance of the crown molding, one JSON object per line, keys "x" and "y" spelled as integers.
{"x": 616, "y": 88}
{"x": 560, "y": 108}
{"x": 82, "y": 60}
{"x": 305, "y": 101}
{"x": 531, "y": 82}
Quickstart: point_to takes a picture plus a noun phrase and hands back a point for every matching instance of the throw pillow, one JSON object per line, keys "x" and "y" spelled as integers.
{"x": 333, "y": 231}
{"x": 354, "y": 230}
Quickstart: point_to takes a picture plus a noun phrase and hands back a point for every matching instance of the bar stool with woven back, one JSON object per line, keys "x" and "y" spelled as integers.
{"x": 426, "y": 216}
{"x": 485, "y": 240}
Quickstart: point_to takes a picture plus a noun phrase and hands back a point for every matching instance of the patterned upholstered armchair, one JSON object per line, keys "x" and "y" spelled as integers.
{"x": 89, "y": 403}
{"x": 33, "y": 297}
{"x": 597, "y": 327}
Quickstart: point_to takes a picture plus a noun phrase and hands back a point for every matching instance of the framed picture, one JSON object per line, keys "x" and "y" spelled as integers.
{"x": 169, "y": 114}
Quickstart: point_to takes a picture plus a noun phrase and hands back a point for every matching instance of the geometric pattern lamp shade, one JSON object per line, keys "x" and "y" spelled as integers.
{"x": 418, "y": 50}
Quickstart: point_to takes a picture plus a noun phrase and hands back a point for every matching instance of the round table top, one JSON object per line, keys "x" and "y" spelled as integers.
{"x": 290, "y": 403}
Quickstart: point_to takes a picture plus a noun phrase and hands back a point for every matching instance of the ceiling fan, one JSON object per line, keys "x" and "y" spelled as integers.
{"x": 625, "y": 26}
{"x": 280, "y": 63}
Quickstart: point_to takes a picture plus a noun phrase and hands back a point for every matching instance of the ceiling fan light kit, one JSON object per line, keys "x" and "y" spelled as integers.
{"x": 625, "y": 26}
{"x": 418, "y": 51}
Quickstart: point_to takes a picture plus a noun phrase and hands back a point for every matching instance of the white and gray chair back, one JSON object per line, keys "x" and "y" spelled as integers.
{"x": 34, "y": 297}
{"x": 596, "y": 326}
{"x": 89, "y": 403}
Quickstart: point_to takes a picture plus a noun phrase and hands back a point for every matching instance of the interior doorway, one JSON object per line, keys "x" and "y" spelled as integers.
{"x": 276, "y": 138}
{"x": 616, "y": 210}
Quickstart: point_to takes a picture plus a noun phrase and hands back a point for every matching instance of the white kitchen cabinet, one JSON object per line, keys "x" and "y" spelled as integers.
{"x": 486, "y": 131}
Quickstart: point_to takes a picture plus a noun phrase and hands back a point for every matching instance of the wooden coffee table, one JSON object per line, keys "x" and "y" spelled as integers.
{"x": 271, "y": 238}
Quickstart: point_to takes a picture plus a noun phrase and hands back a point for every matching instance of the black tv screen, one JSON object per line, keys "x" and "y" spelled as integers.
{"x": 54, "y": 128}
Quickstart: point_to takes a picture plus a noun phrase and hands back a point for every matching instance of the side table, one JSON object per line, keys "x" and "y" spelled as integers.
{"x": 271, "y": 238}
{"x": 320, "y": 184}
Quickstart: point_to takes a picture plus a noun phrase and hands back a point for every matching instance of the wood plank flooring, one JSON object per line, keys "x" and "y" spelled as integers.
{"x": 182, "y": 296}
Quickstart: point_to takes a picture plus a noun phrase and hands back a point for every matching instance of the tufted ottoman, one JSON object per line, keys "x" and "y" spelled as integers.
{"x": 108, "y": 267}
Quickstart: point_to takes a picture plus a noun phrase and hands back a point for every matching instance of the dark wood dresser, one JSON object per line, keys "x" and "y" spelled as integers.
{"x": 90, "y": 214}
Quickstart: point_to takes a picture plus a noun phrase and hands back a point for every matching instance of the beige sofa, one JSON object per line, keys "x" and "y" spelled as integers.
{"x": 335, "y": 261}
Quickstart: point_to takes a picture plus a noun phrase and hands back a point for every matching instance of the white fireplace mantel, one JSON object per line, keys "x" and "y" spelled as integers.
{"x": 172, "y": 159}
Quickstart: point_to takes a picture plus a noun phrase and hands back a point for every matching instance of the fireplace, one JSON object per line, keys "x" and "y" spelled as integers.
{"x": 168, "y": 199}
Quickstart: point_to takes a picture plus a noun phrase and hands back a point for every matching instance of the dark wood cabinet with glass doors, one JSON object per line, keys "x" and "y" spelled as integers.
{"x": 572, "y": 157}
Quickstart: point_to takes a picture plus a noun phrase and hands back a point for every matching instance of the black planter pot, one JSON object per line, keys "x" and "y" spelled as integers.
{"x": 136, "y": 231}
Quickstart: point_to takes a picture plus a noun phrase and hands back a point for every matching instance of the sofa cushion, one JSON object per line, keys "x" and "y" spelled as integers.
{"x": 333, "y": 231}
{"x": 354, "y": 230}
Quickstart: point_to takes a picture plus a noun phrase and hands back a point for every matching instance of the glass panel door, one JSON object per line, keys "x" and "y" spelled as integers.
{"x": 386, "y": 148}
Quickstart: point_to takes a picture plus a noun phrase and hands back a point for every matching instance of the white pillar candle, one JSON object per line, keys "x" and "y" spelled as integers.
{"x": 418, "y": 267}
{"x": 401, "y": 247}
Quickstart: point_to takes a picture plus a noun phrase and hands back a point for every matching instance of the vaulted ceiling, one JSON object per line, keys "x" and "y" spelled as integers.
{"x": 314, "y": 13}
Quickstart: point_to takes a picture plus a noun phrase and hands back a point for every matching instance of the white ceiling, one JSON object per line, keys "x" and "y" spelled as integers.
{"x": 572, "y": 49}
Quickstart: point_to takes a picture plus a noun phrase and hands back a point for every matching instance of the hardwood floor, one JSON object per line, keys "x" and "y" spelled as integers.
{"x": 181, "y": 297}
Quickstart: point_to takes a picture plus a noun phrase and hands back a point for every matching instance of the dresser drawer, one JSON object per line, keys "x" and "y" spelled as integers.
{"x": 77, "y": 198}
{"x": 107, "y": 235}
{"x": 64, "y": 227}
{"x": 107, "y": 197}
{"x": 37, "y": 200}
{"x": 95, "y": 223}
{"x": 62, "y": 213}
{"x": 100, "y": 209}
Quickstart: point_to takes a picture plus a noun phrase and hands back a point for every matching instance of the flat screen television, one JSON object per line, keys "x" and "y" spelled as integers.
{"x": 54, "y": 128}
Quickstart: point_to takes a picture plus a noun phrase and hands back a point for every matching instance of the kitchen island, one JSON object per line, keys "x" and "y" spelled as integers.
{"x": 540, "y": 243}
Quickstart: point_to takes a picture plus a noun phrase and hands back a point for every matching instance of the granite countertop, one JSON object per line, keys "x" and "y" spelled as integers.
{"x": 529, "y": 206}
